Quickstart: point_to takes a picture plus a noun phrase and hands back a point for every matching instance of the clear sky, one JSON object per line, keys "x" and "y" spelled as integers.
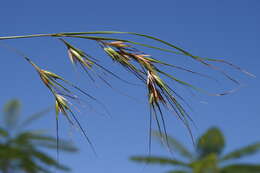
{"x": 218, "y": 29}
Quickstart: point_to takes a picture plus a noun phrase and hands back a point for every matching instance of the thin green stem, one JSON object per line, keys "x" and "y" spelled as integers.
{"x": 53, "y": 35}
{"x": 28, "y": 36}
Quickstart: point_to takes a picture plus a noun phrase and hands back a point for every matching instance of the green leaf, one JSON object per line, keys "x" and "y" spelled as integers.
{"x": 127, "y": 41}
{"x": 27, "y": 165}
{"x": 158, "y": 160}
{"x": 241, "y": 168}
{"x": 45, "y": 141}
{"x": 178, "y": 171}
{"x": 48, "y": 160}
{"x": 11, "y": 113}
{"x": 181, "y": 51}
{"x": 242, "y": 152}
{"x": 8, "y": 152}
{"x": 175, "y": 145}
{"x": 35, "y": 117}
{"x": 211, "y": 142}
{"x": 63, "y": 145}
{"x": 209, "y": 164}
{"x": 3, "y": 132}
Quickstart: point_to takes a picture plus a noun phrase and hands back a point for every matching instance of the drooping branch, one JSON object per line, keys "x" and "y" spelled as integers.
{"x": 148, "y": 69}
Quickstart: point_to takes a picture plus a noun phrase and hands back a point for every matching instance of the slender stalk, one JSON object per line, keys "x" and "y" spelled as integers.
{"x": 145, "y": 67}
{"x": 27, "y": 36}
{"x": 56, "y": 34}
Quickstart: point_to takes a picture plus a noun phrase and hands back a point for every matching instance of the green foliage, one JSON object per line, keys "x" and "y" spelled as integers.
{"x": 11, "y": 113}
{"x": 177, "y": 171}
{"x": 242, "y": 152}
{"x": 159, "y": 160}
{"x": 20, "y": 149}
{"x": 241, "y": 168}
{"x": 174, "y": 144}
{"x": 211, "y": 142}
{"x": 208, "y": 158}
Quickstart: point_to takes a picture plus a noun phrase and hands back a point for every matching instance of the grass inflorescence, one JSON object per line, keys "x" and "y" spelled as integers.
{"x": 149, "y": 70}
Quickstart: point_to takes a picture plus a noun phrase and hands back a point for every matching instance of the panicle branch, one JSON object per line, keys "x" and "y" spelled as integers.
{"x": 146, "y": 68}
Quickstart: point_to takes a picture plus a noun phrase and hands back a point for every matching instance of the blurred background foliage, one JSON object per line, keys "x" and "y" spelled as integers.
{"x": 23, "y": 150}
{"x": 208, "y": 156}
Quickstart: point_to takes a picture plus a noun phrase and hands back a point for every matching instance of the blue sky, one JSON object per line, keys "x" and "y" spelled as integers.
{"x": 218, "y": 29}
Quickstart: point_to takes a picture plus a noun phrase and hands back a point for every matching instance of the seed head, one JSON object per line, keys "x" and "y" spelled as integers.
{"x": 117, "y": 44}
{"x": 154, "y": 94}
{"x": 78, "y": 56}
